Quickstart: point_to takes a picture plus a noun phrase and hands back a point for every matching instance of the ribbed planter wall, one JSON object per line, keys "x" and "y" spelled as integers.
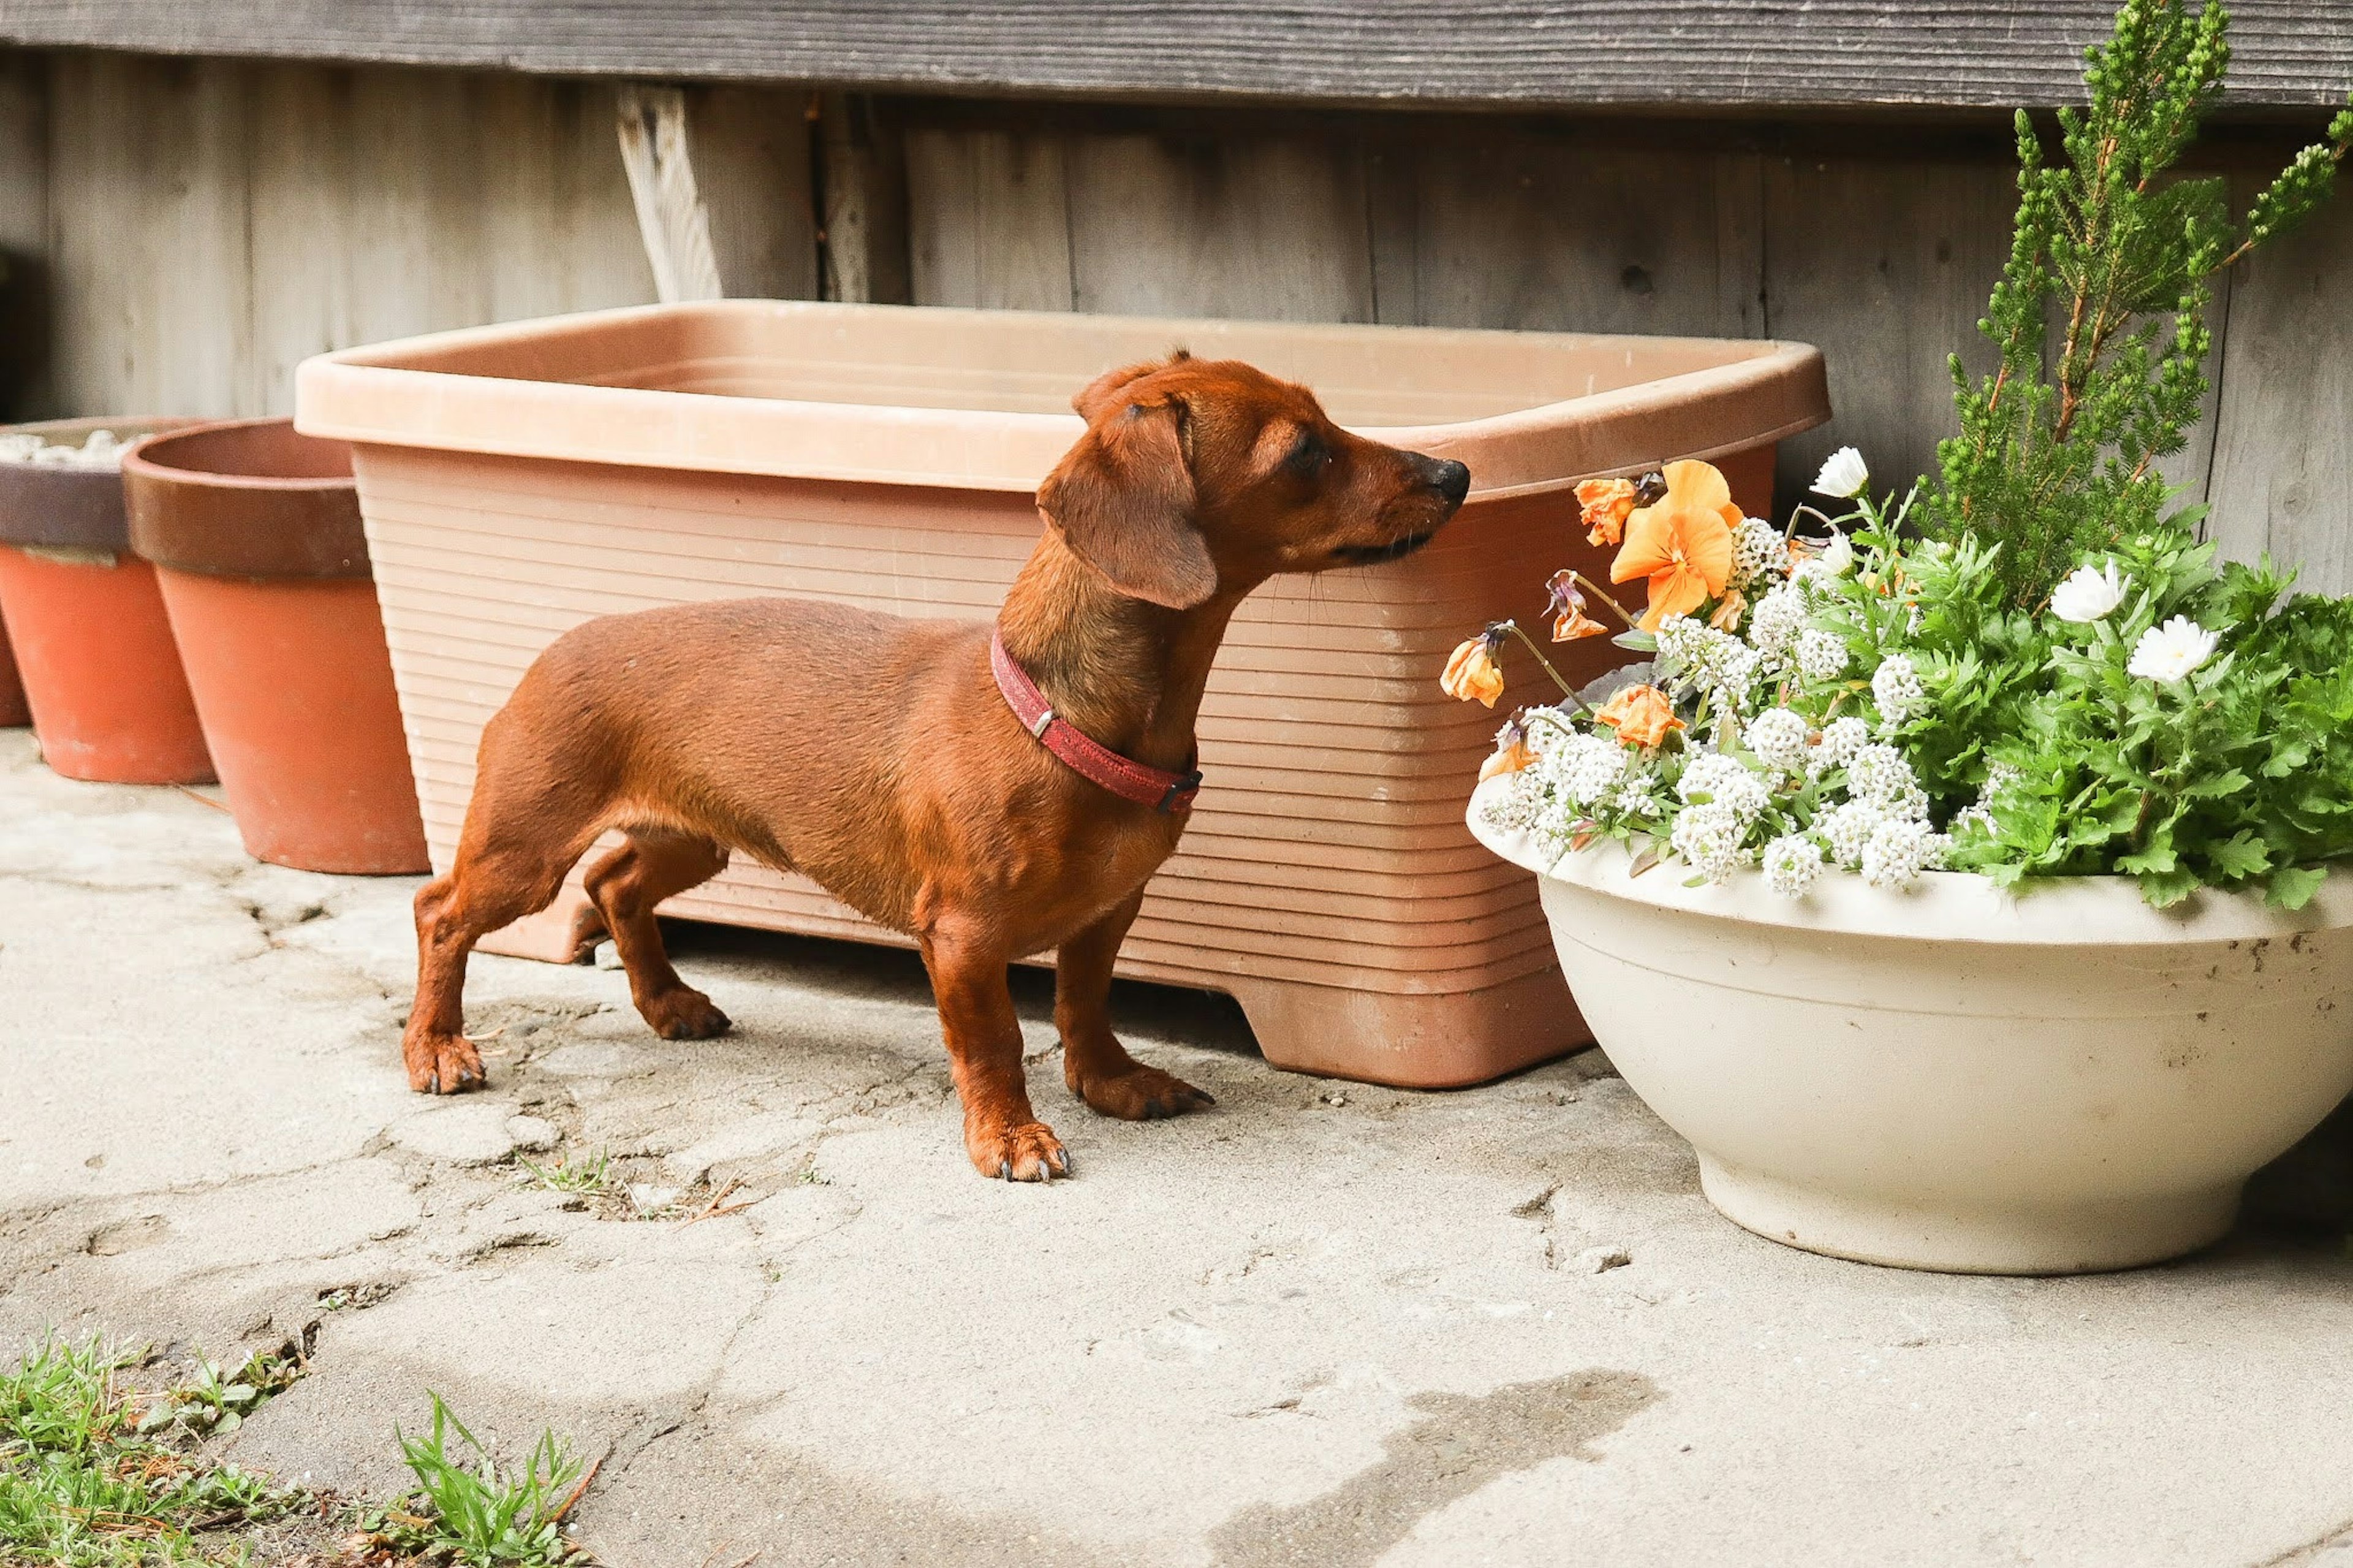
{"x": 92, "y": 645}
{"x": 518, "y": 480}
{"x": 254, "y": 534}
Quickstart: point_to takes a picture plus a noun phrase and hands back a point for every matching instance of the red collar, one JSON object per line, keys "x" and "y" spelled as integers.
{"x": 1131, "y": 780}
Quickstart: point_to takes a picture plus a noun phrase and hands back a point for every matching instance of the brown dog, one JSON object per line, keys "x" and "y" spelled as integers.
{"x": 882, "y": 757}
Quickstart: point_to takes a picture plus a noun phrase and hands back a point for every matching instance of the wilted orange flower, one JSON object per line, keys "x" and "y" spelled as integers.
{"x": 1727, "y": 614}
{"x": 1641, "y": 714}
{"x": 1605, "y": 503}
{"x": 1567, "y": 608}
{"x": 1682, "y": 541}
{"x": 1471, "y": 673}
{"x": 1510, "y": 755}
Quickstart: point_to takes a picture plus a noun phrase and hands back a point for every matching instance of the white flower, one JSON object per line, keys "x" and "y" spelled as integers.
{"x": 1779, "y": 617}
{"x": 1583, "y": 769}
{"x": 1838, "y": 555}
{"x": 1712, "y": 660}
{"x": 2085, "y": 595}
{"x": 1820, "y": 655}
{"x": 1708, "y": 838}
{"x": 2171, "y": 651}
{"x": 1839, "y": 741}
{"x": 1779, "y": 738}
{"x": 1727, "y": 782}
{"x": 1792, "y": 864}
{"x": 1898, "y": 852}
{"x": 1756, "y": 552}
{"x": 1844, "y": 474}
{"x": 1896, "y": 688}
{"x": 1848, "y": 827}
{"x": 1879, "y": 776}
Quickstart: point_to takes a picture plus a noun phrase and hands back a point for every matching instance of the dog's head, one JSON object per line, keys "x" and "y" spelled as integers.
{"x": 1197, "y": 476}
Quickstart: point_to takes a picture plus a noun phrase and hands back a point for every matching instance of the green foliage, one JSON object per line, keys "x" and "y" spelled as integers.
{"x": 2100, "y": 314}
{"x": 86, "y": 1483}
{"x": 592, "y": 1175}
{"x": 2239, "y": 776}
{"x": 487, "y": 1517}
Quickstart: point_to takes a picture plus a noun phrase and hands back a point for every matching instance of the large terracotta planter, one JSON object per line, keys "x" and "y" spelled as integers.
{"x": 93, "y": 644}
{"x": 1957, "y": 1078}
{"x": 254, "y": 534}
{"x": 517, "y": 480}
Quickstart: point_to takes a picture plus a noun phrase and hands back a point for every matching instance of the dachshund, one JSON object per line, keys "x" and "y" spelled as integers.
{"x": 993, "y": 791}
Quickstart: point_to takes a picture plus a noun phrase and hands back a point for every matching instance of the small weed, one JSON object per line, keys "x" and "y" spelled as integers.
{"x": 472, "y": 1509}
{"x": 211, "y": 1404}
{"x": 592, "y": 1176}
{"x": 87, "y": 1481}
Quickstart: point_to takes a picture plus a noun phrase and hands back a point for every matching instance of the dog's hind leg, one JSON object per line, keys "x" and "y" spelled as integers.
{"x": 626, "y": 885}
{"x": 1001, "y": 1132}
{"x": 1094, "y": 1063}
{"x": 527, "y": 825}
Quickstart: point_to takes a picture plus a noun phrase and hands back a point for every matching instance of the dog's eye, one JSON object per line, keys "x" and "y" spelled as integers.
{"x": 1308, "y": 455}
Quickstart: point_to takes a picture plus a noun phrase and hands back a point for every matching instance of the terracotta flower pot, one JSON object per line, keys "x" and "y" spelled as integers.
{"x": 93, "y": 644}
{"x": 520, "y": 479}
{"x": 256, "y": 537}
{"x": 14, "y": 710}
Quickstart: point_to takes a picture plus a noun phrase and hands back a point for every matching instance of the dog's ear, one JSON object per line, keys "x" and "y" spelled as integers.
{"x": 1124, "y": 500}
{"x": 1097, "y": 394}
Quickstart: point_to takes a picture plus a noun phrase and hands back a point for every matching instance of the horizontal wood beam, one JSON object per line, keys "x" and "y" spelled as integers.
{"x": 1688, "y": 55}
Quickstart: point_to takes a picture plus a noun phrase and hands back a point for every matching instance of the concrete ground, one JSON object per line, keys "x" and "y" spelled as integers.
{"x": 1321, "y": 1324}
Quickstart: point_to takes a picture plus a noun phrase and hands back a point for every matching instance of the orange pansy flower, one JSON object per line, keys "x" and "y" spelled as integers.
{"x": 1604, "y": 504}
{"x": 1641, "y": 714}
{"x": 1508, "y": 758}
{"x": 1682, "y": 541}
{"x": 1565, "y": 605}
{"x": 1471, "y": 673}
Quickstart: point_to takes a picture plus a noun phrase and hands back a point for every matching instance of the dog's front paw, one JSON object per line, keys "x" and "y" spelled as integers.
{"x": 1015, "y": 1152}
{"x": 442, "y": 1064}
{"x": 1140, "y": 1094}
{"x": 684, "y": 1014}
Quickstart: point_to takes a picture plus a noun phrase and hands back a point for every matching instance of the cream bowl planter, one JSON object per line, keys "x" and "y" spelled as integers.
{"x": 1958, "y": 1077}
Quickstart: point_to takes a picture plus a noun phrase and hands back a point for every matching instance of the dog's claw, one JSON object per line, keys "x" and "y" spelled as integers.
{"x": 1023, "y": 1151}
{"x": 1005, "y": 1171}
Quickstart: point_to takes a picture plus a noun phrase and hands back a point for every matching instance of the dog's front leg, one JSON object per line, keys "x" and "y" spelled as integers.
{"x": 1094, "y": 1063}
{"x": 1001, "y": 1132}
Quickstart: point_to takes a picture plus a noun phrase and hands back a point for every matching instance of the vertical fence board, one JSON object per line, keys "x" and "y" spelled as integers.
{"x": 24, "y": 238}
{"x": 1886, "y": 267}
{"x": 2282, "y": 467}
{"x": 1557, "y": 237}
{"x": 989, "y": 220}
{"x": 1273, "y": 229}
{"x": 751, "y": 148}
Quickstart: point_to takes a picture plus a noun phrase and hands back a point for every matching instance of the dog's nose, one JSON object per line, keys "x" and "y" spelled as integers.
{"x": 1450, "y": 479}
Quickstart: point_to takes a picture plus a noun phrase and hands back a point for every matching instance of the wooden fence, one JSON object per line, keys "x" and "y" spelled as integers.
{"x": 195, "y": 227}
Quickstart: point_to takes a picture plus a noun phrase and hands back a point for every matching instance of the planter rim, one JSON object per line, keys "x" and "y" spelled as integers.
{"x": 422, "y": 393}
{"x": 1943, "y": 906}
{"x": 218, "y": 520}
{"x": 71, "y": 509}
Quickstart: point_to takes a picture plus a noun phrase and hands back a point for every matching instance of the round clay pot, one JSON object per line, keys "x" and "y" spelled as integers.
{"x": 14, "y": 710}
{"x": 1958, "y": 1077}
{"x": 94, "y": 647}
{"x": 254, "y": 533}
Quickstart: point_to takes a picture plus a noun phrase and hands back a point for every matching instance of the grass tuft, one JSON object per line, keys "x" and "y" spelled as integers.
{"x": 89, "y": 1479}
{"x": 593, "y": 1175}
{"x": 468, "y": 1508}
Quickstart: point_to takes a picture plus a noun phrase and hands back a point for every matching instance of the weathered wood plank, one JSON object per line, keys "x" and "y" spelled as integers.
{"x": 1558, "y": 236}
{"x": 1272, "y": 230}
{"x": 1885, "y": 267}
{"x": 24, "y": 238}
{"x": 751, "y": 161}
{"x": 671, "y": 220}
{"x": 1711, "y": 53}
{"x": 989, "y": 216}
{"x": 150, "y": 223}
{"x": 217, "y": 223}
{"x": 865, "y": 231}
{"x": 2283, "y": 466}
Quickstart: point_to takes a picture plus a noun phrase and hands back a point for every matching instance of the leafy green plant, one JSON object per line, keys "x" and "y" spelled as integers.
{"x": 82, "y": 1486}
{"x": 2116, "y": 254}
{"x": 590, "y": 1176}
{"x": 467, "y": 1506}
